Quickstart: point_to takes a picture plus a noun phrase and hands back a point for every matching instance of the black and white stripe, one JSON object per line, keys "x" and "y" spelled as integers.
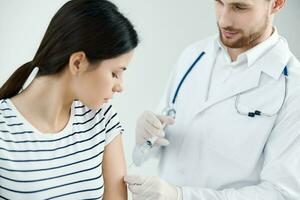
{"x": 67, "y": 165}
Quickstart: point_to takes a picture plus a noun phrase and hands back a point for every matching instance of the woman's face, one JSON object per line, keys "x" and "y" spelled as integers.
{"x": 99, "y": 83}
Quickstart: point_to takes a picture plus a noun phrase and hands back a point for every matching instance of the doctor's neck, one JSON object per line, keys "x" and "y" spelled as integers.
{"x": 252, "y": 41}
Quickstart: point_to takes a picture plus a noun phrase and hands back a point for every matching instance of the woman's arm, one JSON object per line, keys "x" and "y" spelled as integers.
{"x": 114, "y": 170}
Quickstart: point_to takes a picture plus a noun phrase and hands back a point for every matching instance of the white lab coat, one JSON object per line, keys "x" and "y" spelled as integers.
{"x": 216, "y": 153}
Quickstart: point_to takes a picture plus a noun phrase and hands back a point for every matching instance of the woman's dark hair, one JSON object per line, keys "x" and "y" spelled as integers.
{"x": 95, "y": 27}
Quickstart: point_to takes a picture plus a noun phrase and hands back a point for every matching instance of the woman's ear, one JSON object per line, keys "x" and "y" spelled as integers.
{"x": 78, "y": 63}
{"x": 277, "y": 5}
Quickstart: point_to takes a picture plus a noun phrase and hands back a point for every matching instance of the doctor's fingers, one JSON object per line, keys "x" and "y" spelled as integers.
{"x": 148, "y": 123}
{"x": 136, "y": 190}
{"x": 137, "y": 197}
{"x": 161, "y": 142}
{"x": 139, "y": 185}
{"x": 135, "y": 183}
{"x": 152, "y": 119}
{"x": 165, "y": 120}
{"x": 148, "y": 128}
{"x": 134, "y": 179}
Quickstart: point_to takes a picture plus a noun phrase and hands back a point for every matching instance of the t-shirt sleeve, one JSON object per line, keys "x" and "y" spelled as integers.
{"x": 113, "y": 125}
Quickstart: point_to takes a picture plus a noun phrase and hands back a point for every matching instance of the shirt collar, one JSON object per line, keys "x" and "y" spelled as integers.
{"x": 271, "y": 56}
{"x": 276, "y": 59}
{"x": 256, "y": 52}
{"x": 253, "y": 54}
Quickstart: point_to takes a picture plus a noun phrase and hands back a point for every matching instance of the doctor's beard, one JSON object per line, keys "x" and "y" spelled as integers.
{"x": 245, "y": 40}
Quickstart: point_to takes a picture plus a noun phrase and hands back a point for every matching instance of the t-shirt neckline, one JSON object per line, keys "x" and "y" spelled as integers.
{"x": 66, "y": 130}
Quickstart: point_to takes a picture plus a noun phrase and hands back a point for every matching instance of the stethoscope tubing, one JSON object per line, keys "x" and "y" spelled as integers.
{"x": 171, "y": 111}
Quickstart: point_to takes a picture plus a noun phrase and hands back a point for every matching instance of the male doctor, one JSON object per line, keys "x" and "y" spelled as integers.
{"x": 236, "y": 134}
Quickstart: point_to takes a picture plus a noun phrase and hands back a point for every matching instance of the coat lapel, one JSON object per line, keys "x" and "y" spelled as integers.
{"x": 241, "y": 83}
{"x": 195, "y": 88}
{"x": 272, "y": 63}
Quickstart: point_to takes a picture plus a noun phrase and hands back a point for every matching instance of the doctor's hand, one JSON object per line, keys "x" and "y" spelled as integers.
{"x": 151, "y": 188}
{"x": 151, "y": 125}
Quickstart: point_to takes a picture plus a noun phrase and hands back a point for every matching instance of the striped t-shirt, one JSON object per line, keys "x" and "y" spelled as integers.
{"x": 64, "y": 165}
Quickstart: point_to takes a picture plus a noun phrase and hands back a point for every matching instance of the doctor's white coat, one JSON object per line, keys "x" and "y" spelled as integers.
{"x": 215, "y": 153}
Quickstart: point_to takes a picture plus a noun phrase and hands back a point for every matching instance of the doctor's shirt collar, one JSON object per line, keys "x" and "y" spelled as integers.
{"x": 253, "y": 54}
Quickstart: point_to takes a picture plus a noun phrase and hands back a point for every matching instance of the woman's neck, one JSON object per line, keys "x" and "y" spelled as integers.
{"x": 46, "y": 103}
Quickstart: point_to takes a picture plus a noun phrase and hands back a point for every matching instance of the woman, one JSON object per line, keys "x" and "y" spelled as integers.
{"x": 60, "y": 137}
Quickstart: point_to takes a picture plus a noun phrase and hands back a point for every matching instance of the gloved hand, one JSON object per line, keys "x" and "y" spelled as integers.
{"x": 151, "y": 188}
{"x": 149, "y": 125}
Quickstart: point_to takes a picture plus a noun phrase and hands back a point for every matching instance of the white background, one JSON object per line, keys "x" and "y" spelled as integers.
{"x": 165, "y": 27}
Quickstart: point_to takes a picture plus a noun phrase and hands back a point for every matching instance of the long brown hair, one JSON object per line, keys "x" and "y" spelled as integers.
{"x": 95, "y": 27}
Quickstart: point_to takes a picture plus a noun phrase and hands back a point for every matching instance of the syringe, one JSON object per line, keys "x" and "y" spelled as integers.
{"x": 141, "y": 151}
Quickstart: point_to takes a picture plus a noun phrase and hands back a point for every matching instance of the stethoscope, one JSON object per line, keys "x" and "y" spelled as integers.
{"x": 171, "y": 111}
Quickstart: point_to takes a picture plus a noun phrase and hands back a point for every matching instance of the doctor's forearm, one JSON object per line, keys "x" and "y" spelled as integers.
{"x": 262, "y": 191}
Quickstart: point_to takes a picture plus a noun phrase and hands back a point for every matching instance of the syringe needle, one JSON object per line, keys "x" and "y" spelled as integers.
{"x": 130, "y": 165}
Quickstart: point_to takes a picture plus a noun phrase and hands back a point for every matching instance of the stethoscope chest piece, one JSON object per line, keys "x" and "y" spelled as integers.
{"x": 170, "y": 111}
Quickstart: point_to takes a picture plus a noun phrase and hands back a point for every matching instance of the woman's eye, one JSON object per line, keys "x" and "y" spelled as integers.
{"x": 239, "y": 8}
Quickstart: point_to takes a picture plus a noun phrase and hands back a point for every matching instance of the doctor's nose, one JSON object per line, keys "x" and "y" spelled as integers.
{"x": 225, "y": 18}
